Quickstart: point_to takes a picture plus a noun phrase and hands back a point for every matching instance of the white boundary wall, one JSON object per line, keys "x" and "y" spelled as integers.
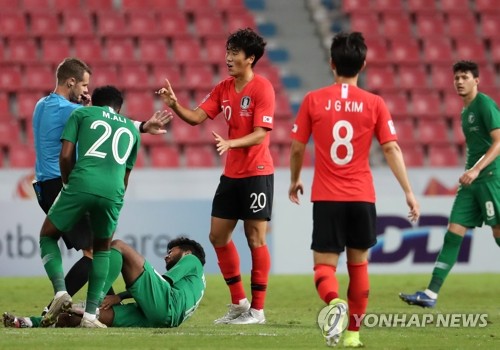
{"x": 160, "y": 205}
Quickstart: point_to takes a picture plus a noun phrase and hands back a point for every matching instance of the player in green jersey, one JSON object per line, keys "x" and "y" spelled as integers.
{"x": 95, "y": 183}
{"x": 160, "y": 300}
{"x": 478, "y": 197}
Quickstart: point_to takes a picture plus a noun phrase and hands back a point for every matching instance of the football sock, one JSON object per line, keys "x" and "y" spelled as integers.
{"x": 52, "y": 262}
{"x": 229, "y": 264}
{"x": 326, "y": 282}
{"x": 445, "y": 260}
{"x": 497, "y": 240}
{"x": 115, "y": 268}
{"x": 97, "y": 277}
{"x": 261, "y": 265}
{"x": 357, "y": 293}
{"x": 78, "y": 275}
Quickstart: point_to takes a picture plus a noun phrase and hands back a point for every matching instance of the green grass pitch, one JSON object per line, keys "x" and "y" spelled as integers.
{"x": 291, "y": 310}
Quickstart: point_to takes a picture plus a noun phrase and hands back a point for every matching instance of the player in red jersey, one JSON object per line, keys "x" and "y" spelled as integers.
{"x": 245, "y": 191}
{"x": 343, "y": 119}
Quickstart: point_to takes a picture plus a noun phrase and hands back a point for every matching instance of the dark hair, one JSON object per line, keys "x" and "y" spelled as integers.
{"x": 348, "y": 53}
{"x": 466, "y": 66}
{"x": 186, "y": 244}
{"x": 107, "y": 96}
{"x": 71, "y": 68}
{"x": 247, "y": 40}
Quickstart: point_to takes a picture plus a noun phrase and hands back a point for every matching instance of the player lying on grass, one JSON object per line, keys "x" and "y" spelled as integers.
{"x": 160, "y": 300}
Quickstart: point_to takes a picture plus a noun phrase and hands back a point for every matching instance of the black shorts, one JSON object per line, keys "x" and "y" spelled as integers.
{"x": 80, "y": 237}
{"x": 337, "y": 225}
{"x": 245, "y": 198}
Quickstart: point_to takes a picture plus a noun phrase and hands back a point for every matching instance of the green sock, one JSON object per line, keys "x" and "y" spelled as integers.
{"x": 52, "y": 262}
{"x": 36, "y": 320}
{"x": 498, "y": 241}
{"x": 115, "y": 268}
{"x": 445, "y": 260}
{"x": 97, "y": 277}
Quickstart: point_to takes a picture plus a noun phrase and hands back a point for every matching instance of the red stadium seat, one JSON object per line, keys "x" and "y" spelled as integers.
{"x": 148, "y": 140}
{"x": 486, "y": 6}
{"x": 425, "y": 105}
{"x": 77, "y": 23}
{"x": 134, "y": 76}
{"x": 275, "y": 151}
{"x": 238, "y": 20}
{"x": 10, "y": 79}
{"x": 465, "y": 48}
{"x": 430, "y": 24}
{"x": 105, "y": 74}
{"x": 380, "y": 78}
{"x": 26, "y": 102}
{"x": 142, "y": 24}
{"x": 396, "y": 25}
{"x": 89, "y": 49}
{"x": 173, "y": 24}
{"x": 164, "y": 156}
{"x": 455, "y": 6}
{"x": 433, "y": 132}
{"x": 4, "y": 108}
{"x": 153, "y": 50}
{"x": 39, "y": 77}
{"x": 209, "y": 24}
{"x": 197, "y": 76}
{"x": 437, "y": 50}
{"x": 487, "y": 79}
{"x": 356, "y": 6}
{"x": 377, "y": 51}
{"x": 281, "y": 132}
{"x": 405, "y": 130}
{"x": 134, "y": 6}
{"x": 119, "y": 50}
{"x": 495, "y": 50}
{"x": 44, "y": 24}
{"x": 490, "y": 25}
{"x": 97, "y": 6}
{"x": 9, "y": 133}
{"x": 111, "y": 24}
{"x": 140, "y": 161}
{"x": 139, "y": 105}
{"x": 404, "y": 51}
{"x": 217, "y": 125}
{"x": 458, "y": 134}
{"x": 397, "y": 103}
{"x": 367, "y": 23}
{"x": 12, "y": 24}
{"x": 412, "y": 77}
{"x": 54, "y": 50}
{"x": 183, "y": 133}
{"x": 442, "y": 77}
{"x": 215, "y": 49}
{"x": 452, "y": 104}
{"x": 193, "y": 6}
{"x": 200, "y": 156}
{"x": 23, "y": 50}
{"x": 283, "y": 109}
{"x": 230, "y": 5}
{"x": 72, "y": 5}
{"x": 461, "y": 25}
{"x": 443, "y": 156}
{"x": 422, "y": 6}
{"x": 22, "y": 156}
{"x": 413, "y": 155}
{"x": 388, "y": 6}
{"x": 186, "y": 50}
{"x": 170, "y": 71}
{"x": 36, "y": 5}
{"x": 271, "y": 73}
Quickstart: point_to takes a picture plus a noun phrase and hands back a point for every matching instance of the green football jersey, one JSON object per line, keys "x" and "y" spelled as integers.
{"x": 188, "y": 286}
{"x": 107, "y": 145}
{"x": 478, "y": 120}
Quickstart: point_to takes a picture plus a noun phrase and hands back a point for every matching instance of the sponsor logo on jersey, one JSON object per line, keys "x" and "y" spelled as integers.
{"x": 267, "y": 119}
{"x": 471, "y": 118}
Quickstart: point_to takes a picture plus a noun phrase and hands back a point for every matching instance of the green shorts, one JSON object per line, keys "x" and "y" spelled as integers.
{"x": 69, "y": 207}
{"x": 151, "y": 309}
{"x": 477, "y": 204}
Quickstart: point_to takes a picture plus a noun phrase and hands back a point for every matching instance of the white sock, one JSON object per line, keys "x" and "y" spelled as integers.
{"x": 90, "y": 317}
{"x": 60, "y": 293}
{"x": 431, "y": 294}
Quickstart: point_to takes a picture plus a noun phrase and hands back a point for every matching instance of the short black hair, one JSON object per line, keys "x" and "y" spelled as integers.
{"x": 107, "y": 96}
{"x": 348, "y": 53}
{"x": 247, "y": 40}
{"x": 186, "y": 244}
{"x": 466, "y": 66}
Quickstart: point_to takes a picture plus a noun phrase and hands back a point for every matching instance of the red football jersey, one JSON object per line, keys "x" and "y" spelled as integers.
{"x": 252, "y": 107}
{"x": 343, "y": 119}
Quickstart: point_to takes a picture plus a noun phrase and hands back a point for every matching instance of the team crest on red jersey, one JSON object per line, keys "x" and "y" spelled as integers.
{"x": 245, "y": 102}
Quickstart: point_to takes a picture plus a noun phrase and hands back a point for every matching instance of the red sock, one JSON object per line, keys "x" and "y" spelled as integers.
{"x": 326, "y": 282}
{"x": 261, "y": 265}
{"x": 229, "y": 263}
{"x": 357, "y": 294}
